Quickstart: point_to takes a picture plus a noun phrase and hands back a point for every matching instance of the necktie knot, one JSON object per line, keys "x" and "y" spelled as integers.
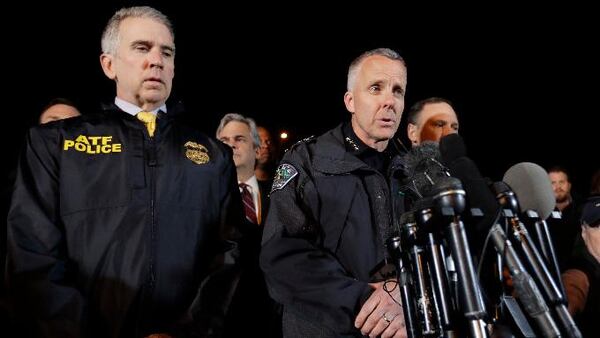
{"x": 149, "y": 120}
{"x": 248, "y": 201}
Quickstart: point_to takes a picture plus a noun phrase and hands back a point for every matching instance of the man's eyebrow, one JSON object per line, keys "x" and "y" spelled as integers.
{"x": 168, "y": 47}
{"x": 149, "y": 44}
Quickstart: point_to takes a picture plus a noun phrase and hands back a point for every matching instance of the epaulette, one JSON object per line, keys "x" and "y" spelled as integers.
{"x": 304, "y": 140}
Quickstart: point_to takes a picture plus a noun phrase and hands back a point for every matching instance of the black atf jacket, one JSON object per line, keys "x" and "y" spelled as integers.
{"x": 329, "y": 216}
{"x": 112, "y": 233}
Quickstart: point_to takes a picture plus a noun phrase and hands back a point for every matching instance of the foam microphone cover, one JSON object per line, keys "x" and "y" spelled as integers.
{"x": 453, "y": 153}
{"x": 532, "y": 186}
{"x": 422, "y": 168}
{"x": 452, "y": 147}
{"x": 416, "y": 160}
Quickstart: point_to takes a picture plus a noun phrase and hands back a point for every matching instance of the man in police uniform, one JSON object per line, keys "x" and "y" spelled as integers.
{"x": 331, "y": 212}
{"x": 116, "y": 223}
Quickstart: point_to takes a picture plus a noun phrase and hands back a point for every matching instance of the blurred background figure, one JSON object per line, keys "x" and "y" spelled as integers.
{"x": 251, "y": 303}
{"x": 431, "y": 119}
{"x": 58, "y": 109}
{"x": 564, "y": 231}
{"x": 582, "y": 278}
{"x": 240, "y": 133}
{"x": 561, "y": 185}
{"x": 267, "y": 158}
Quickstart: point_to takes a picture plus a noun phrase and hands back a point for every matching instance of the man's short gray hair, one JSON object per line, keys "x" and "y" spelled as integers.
{"x": 355, "y": 65}
{"x": 240, "y": 118}
{"x": 110, "y": 36}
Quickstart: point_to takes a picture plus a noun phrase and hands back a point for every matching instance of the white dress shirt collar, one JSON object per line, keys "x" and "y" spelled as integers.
{"x": 132, "y": 109}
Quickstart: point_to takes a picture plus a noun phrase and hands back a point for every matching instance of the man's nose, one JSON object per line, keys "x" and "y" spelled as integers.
{"x": 155, "y": 58}
{"x": 389, "y": 99}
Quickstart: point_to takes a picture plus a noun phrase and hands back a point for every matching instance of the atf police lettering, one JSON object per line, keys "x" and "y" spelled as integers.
{"x": 93, "y": 145}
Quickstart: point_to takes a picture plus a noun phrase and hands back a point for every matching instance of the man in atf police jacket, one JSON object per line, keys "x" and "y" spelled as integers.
{"x": 331, "y": 212}
{"x": 117, "y": 225}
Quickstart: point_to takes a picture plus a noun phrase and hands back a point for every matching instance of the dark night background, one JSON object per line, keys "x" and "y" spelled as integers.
{"x": 524, "y": 82}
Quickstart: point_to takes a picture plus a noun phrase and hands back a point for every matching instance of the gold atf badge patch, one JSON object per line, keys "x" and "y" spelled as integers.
{"x": 197, "y": 153}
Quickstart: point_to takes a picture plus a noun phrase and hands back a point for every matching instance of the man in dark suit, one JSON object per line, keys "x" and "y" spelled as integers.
{"x": 251, "y": 302}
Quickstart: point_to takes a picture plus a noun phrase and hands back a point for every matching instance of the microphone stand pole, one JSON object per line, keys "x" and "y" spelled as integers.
{"x": 395, "y": 250}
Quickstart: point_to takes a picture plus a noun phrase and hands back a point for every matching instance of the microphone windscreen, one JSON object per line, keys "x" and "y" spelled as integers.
{"x": 453, "y": 153}
{"x": 532, "y": 186}
{"x": 423, "y": 168}
{"x": 452, "y": 147}
{"x": 418, "y": 156}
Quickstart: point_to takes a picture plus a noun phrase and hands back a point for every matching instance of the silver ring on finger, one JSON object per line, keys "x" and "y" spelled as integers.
{"x": 387, "y": 320}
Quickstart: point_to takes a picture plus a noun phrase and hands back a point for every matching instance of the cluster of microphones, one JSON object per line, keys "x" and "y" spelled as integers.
{"x": 458, "y": 221}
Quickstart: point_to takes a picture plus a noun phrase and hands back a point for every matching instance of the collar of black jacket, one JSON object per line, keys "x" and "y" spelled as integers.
{"x": 331, "y": 156}
{"x": 378, "y": 160}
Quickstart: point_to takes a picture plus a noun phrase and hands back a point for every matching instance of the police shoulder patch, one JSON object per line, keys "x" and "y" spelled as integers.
{"x": 284, "y": 174}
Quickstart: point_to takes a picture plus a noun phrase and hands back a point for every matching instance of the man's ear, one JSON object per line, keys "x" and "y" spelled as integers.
{"x": 349, "y": 101}
{"x": 106, "y": 60}
{"x": 413, "y": 132}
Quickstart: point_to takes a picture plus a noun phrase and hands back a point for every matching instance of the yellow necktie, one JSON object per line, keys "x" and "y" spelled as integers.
{"x": 149, "y": 119}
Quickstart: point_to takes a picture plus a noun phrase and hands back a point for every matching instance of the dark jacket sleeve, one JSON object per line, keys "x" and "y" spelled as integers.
{"x": 43, "y": 295}
{"x": 300, "y": 273}
{"x": 212, "y": 301}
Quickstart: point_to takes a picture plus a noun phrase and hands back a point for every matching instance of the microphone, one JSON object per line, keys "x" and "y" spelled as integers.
{"x": 454, "y": 157}
{"x": 440, "y": 201}
{"x": 534, "y": 191}
{"x": 532, "y": 186}
{"x": 520, "y": 174}
{"x": 524, "y": 285}
{"x": 423, "y": 169}
{"x": 403, "y": 277}
{"x": 521, "y": 236}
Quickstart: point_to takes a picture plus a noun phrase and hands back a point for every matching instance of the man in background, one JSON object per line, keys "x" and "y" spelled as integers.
{"x": 251, "y": 303}
{"x": 58, "y": 109}
{"x": 430, "y": 120}
{"x": 582, "y": 278}
{"x": 267, "y": 158}
{"x": 564, "y": 231}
